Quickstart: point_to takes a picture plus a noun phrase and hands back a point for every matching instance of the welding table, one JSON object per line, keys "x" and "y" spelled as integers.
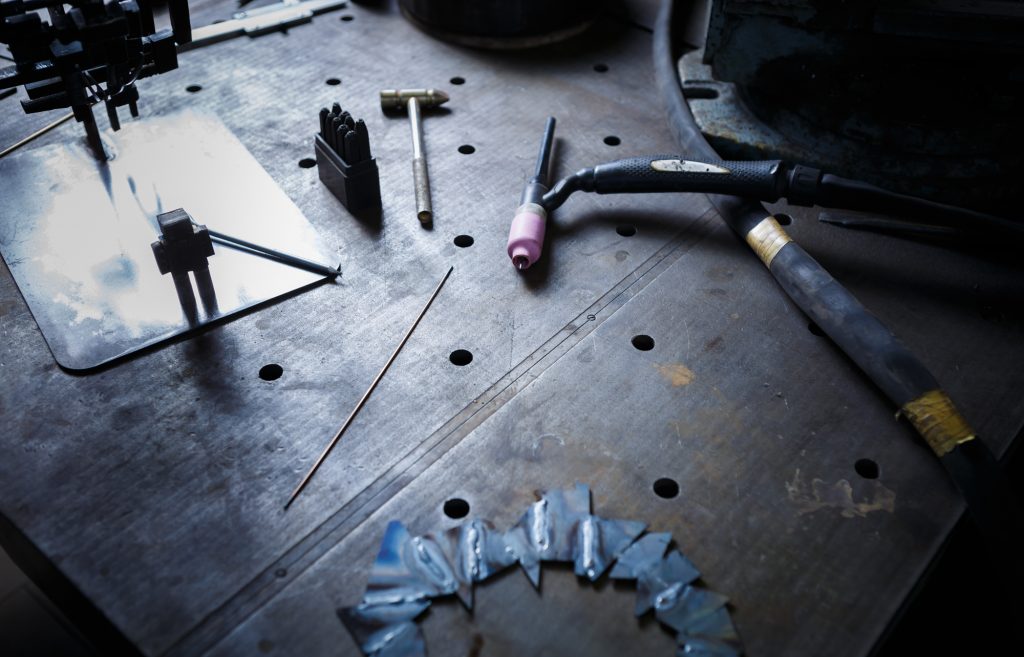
{"x": 150, "y": 493}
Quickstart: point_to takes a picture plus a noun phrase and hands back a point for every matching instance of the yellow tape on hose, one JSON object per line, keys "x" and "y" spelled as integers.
{"x": 766, "y": 239}
{"x": 938, "y": 422}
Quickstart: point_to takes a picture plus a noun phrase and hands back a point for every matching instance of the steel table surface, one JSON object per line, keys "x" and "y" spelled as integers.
{"x": 155, "y": 488}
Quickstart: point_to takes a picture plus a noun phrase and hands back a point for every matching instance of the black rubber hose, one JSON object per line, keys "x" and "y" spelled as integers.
{"x": 838, "y": 192}
{"x": 857, "y": 332}
{"x": 872, "y": 346}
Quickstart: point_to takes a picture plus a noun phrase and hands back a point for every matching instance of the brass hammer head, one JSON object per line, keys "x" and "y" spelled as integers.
{"x": 398, "y": 98}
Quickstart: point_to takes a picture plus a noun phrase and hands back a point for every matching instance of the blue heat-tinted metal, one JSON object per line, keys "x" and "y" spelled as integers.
{"x": 409, "y": 571}
{"x": 712, "y": 636}
{"x": 681, "y": 606}
{"x": 547, "y": 531}
{"x": 599, "y": 542}
{"x": 664, "y": 580}
{"x": 392, "y": 581}
{"x": 641, "y": 556}
{"x": 377, "y": 627}
{"x": 476, "y": 551}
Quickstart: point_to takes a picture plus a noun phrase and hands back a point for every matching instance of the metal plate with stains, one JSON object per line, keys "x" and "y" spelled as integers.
{"x": 157, "y": 486}
{"x": 76, "y": 234}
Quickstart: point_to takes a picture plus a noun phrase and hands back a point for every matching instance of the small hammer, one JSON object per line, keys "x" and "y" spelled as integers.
{"x": 412, "y": 100}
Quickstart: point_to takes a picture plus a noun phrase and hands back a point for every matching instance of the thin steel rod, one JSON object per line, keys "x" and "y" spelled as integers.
{"x": 38, "y": 133}
{"x": 273, "y": 254}
{"x": 366, "y": 395}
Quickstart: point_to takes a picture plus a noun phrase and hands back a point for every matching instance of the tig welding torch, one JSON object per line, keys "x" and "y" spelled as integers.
{"x": 526, "y": 237}
{"x": 767, "y": 181}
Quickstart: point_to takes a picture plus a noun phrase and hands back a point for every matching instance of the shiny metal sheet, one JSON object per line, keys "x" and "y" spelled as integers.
{"x": 76, "y": 234}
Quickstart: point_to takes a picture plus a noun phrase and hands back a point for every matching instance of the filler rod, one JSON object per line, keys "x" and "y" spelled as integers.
{"x": 366, "y": 395}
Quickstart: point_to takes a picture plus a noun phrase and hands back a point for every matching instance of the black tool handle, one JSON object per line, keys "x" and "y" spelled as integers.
{"x": 764, "y": 180}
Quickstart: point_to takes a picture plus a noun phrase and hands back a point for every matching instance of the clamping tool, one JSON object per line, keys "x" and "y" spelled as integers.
{"x": 185, "y": 247}
{"x": 413, "y": 100}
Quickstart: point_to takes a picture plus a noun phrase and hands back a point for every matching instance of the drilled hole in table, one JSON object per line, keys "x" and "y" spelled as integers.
{"x": 866, "y": 468}
{"x": 466, "y": 149}
{"x": 601, "y": 68}
{"x": 666, "y": 488}
{"x": 333, "y": 81}
{"x": 458, "y": 80}
{"x": 815, "y": 329}
{"x": 626, "y": 230}
{"x": 462, "y": 241}
{"x": 194, "y": 88}
{"x": 643, "y": 342}
{"x": 307, "y": 163}
{"x": 612, "y": 140}
{"x": 456, "y": 508}
{"x": 783, "y": 219}
{"x": 461, "y": 357}
{"x": 702, "y": 93}
{"x": 348, "y": 17}
{"x": 271, "y": 372}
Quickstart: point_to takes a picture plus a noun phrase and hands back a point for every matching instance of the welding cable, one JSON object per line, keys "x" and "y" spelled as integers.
{"x": 769, "y": 181}
{"x": 884, "y": 359}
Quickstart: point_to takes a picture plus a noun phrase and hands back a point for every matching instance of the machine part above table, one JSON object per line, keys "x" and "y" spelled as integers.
{"x": 156, "y": 486}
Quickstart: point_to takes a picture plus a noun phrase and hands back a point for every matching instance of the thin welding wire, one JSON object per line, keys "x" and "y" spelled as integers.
{"x": 273, "y": 254}
{"x": 366, "y": 395}
{"x": 38, "y": 133}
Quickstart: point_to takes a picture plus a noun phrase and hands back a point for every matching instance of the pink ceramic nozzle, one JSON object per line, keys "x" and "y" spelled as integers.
{"x": 526, "y": 237}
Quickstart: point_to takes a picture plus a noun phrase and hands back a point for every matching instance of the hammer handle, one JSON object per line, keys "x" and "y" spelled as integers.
{"x": 421, "y": 181}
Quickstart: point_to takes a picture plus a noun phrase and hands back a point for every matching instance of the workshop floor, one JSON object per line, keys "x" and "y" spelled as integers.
{"x": 30, "y": 626}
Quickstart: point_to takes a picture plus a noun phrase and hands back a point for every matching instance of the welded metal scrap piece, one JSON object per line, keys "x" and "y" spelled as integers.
{"x": 408, "y": 572}
{"x": 641, "y": 556}
{"x": 712, "y": 636}
{"x": 547, "y": 531}
{"x": 664, "y": 581}
{"x": 680, "y": 609}
{"x": 706, "y": 648}
{"x": 386, "y": 629}
{"x": 408, "y": 569}
{"x": 600, "y": 541}
{"x": 476, "y": 551}
{"x": 407, "y": 641}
